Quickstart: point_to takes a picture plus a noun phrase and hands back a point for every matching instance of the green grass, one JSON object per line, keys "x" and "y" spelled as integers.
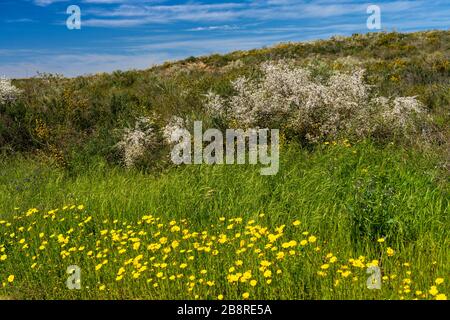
{"x": 348, "y": 197}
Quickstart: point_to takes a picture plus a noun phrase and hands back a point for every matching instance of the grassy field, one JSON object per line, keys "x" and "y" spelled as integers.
{"x": 212, "y": 232}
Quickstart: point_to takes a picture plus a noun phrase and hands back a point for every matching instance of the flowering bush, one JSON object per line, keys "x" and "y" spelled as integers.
{"x": 8, "y": 92}
{"x": 291, "y": 98}
{"x": 135, "y": 142}
{"x": 400, "y": 113}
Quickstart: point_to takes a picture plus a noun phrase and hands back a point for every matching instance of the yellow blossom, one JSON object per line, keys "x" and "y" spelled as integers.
{"x": 390, "y": 252}
{"x": 441, "y": 296}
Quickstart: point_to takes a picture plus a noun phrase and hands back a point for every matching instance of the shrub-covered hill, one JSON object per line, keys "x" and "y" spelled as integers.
{"x": 70, "y": 119}
{"x": 363, "y": 179}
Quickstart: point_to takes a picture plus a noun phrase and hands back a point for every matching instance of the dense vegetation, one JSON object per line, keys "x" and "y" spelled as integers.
{"x": 74, "y": 119}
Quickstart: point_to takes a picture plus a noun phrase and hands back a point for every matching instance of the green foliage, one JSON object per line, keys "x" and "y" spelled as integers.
{"x": 72, "y": 116}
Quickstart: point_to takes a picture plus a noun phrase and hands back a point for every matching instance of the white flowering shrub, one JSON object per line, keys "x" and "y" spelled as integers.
{"x": 137, "y": 141}
{"x": 173, "y": 127}
{"x": 8, "y": 92}
{"x": 290, "y": 98}
{"x": 215, "y": 105}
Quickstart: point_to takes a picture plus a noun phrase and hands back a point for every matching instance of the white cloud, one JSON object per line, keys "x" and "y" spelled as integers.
{"x": 21, "y": 20}
{"x": 49, "y": 2}
{"x": 211, "y": 28}
{"x": 143, "y": 14}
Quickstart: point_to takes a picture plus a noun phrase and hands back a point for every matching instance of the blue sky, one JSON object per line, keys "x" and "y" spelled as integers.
{"x": 135, "y": 34}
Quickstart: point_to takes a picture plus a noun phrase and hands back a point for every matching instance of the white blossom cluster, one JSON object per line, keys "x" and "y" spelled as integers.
{"x": 8, "y": 92}
{"x": 136, "y": 141}
{"x": 215, "y": 104}
{"x": 401, "y": 112}
{"x": 289, "y": 97}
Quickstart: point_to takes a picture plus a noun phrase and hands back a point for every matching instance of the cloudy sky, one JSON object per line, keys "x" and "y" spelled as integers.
{"x": 135, "y": 34}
